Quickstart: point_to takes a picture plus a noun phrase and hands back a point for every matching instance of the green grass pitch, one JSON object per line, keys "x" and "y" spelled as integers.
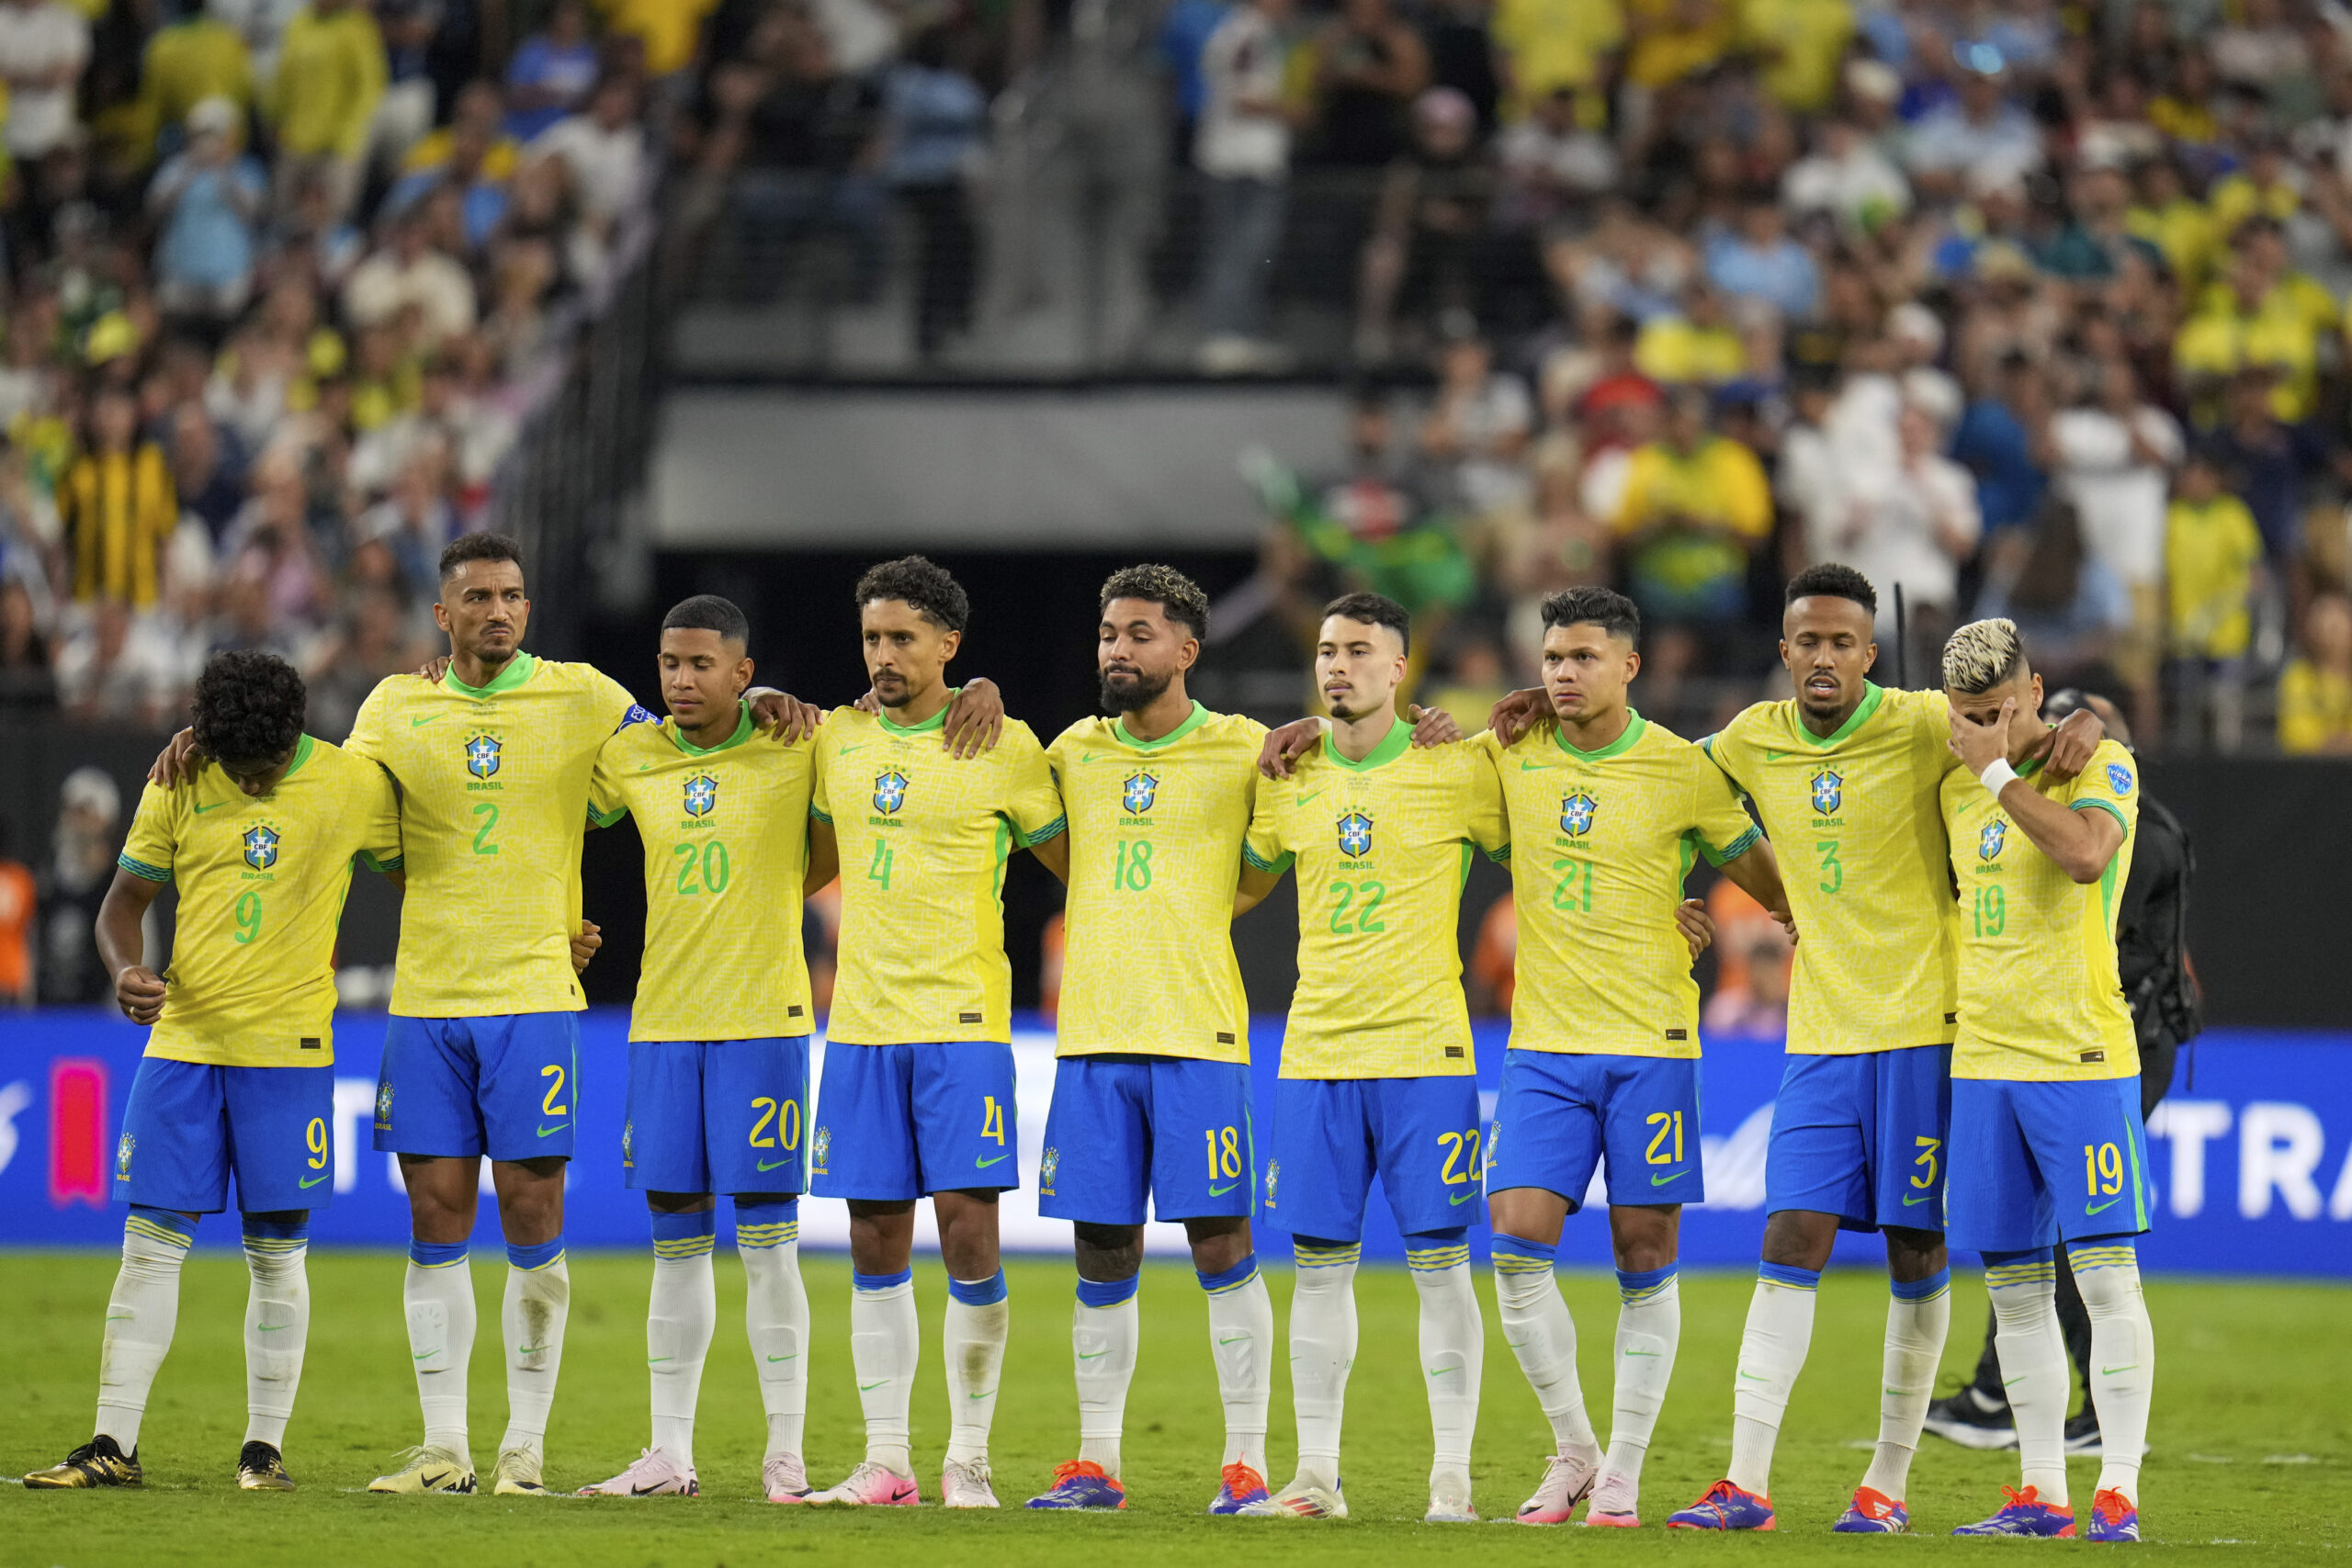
{"x": 2252, "y": 1442}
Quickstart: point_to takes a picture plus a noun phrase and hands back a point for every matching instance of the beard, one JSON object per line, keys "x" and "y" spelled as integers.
{"x": 1131, "y": 692}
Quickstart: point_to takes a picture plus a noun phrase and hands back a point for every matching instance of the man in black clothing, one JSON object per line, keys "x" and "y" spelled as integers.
{"x": 2152, "y": 954}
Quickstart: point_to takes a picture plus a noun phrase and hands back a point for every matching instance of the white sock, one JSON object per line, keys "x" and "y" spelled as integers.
{"x": 2035, "y": 1372}
{"x": 1103, "y": 1331}
{"x": 1771, "y": 1354}
{"x": 278, "y": 1327}
{"x": 1322, "y": 1348}
{"x": 538, "y": 1300}
{"x": 681, "y": 1316}
{"x": 1537, "y": 1327}
{"x": 2123, "y": 1356}
{"x": 775, "y": 1315}
{"x": 141, "y": 1316}
{"x": 1917, "y": 1317}
{"x": 971, "y": 1336}
{"x": 1454, "y": 1353}
{"x": 438, "y": 1294}
{"x": 1242, "y": 1343}
{"x": 1649, "y": 1330}
{"x": 885, "y": 1348}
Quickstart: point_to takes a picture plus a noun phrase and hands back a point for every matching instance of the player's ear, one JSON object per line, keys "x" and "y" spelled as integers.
{"x": 1869, "y": 659}
{"x": 742, "y": 675}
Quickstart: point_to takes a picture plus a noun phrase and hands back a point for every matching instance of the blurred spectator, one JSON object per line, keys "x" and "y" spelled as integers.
{"x": 81, "y": 865}
{"x": 1184, "y": 29}
{"x": 1552, "y": 164}
{"x": 2001, "y": 440}
{"x": 20, "y": 904}
{"x": 410, "y": 272}
{"x": 550, "y": 75}
{"x": 118, "y": 506}
{"x": 1847, "y": 177}
{"x": 2114, "y": 454}
{"x": 117, "y": 668}
{"x": 404, "y": 114}
{"x": 664, "y": 33}
{"x": 2214, "y": 562}
{"x": 43, "y": 46}
{"x": 1479, "y": 427}
{"x": 1370, "y": 67}
{"x": 1755, "y": 958}
{"x": 2315, "y": 689}
{"x": 204, "y": 480}
{"x": 1243, "y": 150}
{"x": 206, "y": 200}
{"x": 1759, "y": 261}
{"x": 189, "y": 60}
{"x": 2268, "y": 462}
{"x": 2069, "y": 603}
{"x": 1461, "y": 48}
{"x": 1428, "y": 248}
{"x": 25, "y": 679}
{"x": 1560, "y": 49}
{"x": 938, "y": 139}
{"x": 321, "y": 103}
{"x": 605, "y": 163}
{"x": 1977, "y": 137}
{"x": 1908, "y": 524}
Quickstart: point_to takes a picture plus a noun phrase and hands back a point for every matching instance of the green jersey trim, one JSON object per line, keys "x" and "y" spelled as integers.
{"x": 1635, "y": 727}
{"x": 1275, "y": 867}
{"x": 518, "y": 670}
{"x": 2108, "y": 807}
{"x": 824, "y": 817}
{"x": 605, "y": 818}
{"x": 1873, "y": 694}
{"x": 936, "y": 721}
{"x": 1392, "y": 746}
{"x": 1193, "y": 720}
{"x": 742, "y": 733}
{"x": 1053, "y": 829}
{"x": 1732, "y": 851}
{"x": 372, "y": 863}
{"x": 141, "y": 868}
{"x": 302, "y": 749}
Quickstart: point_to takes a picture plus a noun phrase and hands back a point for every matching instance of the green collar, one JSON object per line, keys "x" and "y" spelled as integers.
{"x": 302, "y": 749}
{"x": 1872, "y": 695}
{"x": 742, "y": 733}
{"x": 1193, "y": 720}
{"x": 518, "y": 670}
{"x": 936, "y": 721}
{"x": 1392, "y": 746}
{"x": 1633, "y": 729}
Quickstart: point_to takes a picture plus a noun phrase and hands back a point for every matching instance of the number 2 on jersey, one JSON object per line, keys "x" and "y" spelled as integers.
{"x": 487, "y": 812}
{"x": 708, "y": 860}
{"x": 1670, "y": 1126}
{"x": 1364, "y": 918}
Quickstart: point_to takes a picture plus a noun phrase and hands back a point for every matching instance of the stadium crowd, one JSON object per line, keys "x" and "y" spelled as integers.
{"x": 277, "y": 278}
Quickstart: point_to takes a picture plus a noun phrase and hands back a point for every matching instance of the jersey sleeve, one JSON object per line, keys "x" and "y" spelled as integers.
{"x": 606, "y": 805}
{"x": 1722, "y": 826}
{"x": 155, "y": 833}
{"x": 1728, "y": 749}
{"x": 371, "y": 729}
{"x": 1034, "y": 803}
{"x": 1262, "y": 846}
{"x": 819, "y": 805}
{"x": 1486, "y": 820}
{"x": 2111, "y": 784}
{"x": 614, "y": 698}
{"x": 380, "y": 814}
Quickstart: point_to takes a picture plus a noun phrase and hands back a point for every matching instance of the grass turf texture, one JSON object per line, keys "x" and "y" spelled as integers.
{"x": 2252, "y": 1447}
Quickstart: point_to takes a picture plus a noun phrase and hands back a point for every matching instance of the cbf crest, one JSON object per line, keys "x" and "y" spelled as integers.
{"x": 1273, "y": 1174}
{"x": 889, "y": 791}
{"x": 1355, "y": 835}
{"x": 1989, "y": 842}
{"x": 821, "y": 1148}
{"x": 483, "y": 754}
{"x": 122, "y": 1152}
{"x": 702, "y": 795}
{"x": 1828, "y": 791}
{"x": 384, "y": 1104}
{"x": 628, "y": 1143}
{"x": 1576, "y": 814}
{"x": 1138, "y": 793}
{"x": 1045, "y": 1168}
{"x": 260, "y": 846}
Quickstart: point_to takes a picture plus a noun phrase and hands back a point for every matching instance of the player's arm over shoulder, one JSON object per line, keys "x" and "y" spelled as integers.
{"x": 372, "y": 727}
{"x": 374, "y": 807}
{"x": 1032, "y": 803}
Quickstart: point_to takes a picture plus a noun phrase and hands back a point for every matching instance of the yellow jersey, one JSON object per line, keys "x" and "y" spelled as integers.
{"x": 262, "y": 880}
{"x": 1855, "y": 819}
{"x": 1601, "y": 843}
{"x": 494, "y": 783}
{"x": 1383, "y": 847}
{"x": 924, "y": 840}
{"x": 2039, "y": 996}
{"x": 1156, "y": 828}
{"x": 726, "y": 836}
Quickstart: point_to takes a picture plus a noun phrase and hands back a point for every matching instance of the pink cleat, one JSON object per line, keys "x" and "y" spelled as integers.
{"x": 870, "y": 1486}
{"x": 1567, "y": 1481}
{"x": 651, "y": 1474}
{"x": 785, "y": 1479}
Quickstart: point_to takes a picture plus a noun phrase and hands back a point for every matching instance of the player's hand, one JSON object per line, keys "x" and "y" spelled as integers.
{"x": 433, "y": 669}
{"x": 1787, "y": 922}
{"x": 1518, "y": 713}
{"x": 140, "y": 992}
{"x": 585, "y": 944}
{"x": 2078, "y": 735}
{"x": 1979, "y": 746}
{"x": 1285, "y": 746}
{"x": 868, "y": 702}
{"x": 1432, "y": 727}
{"x": 975, "y": 719}
{"x": 782, "y": 716}
{"x": 178, "y": 762}
{"x": 1697, "y": 926}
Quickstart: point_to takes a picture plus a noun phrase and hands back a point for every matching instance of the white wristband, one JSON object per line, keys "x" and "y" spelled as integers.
{"x": 1996, "y": 776}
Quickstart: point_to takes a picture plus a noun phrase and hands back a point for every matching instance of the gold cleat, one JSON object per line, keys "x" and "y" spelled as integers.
{"x": 516, "y": 1474}
{"x": 427, "y": 1469}
{"x": 99, "y": 1462}
{"x": 261, "y": 1468}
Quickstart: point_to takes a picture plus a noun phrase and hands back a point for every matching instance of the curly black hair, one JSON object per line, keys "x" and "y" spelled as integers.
{"x": 1179, "y": 597}
{"x": 922, "y": 586}
{"x": 479, "y": 546}
{"x": 1831, "y": 580}
{"x": 249, "y": 708}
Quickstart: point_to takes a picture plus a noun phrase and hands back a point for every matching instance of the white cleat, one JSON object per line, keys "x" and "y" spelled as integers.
{"x": 651, "y": 1474}
{"x": 1567, "y": 1480}
{"x": 966, "y": 1485}
{"x": 516, "y": 1474}
{"x": 426, "y": 1469}
{"x": 1450, "y": 1501}
{"x": 869, "y": 1486}
{"x": 1301, "y": 1499}
{"x": 1616, "y": 1503}
{"x": 785, "y": 1479}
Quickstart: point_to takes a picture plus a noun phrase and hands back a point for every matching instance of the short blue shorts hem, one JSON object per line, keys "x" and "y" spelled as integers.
{"x": 1561, "y": 1115}
{"x": 723, "y": 1116}
{"x": 1865, "y": 1138}
{"x": 1124, "y": 1128}
{"x": 188, "y": 1126}
{"x": 896, "y": 1123}
{"x": 1332, "y": 1135}
{"x": 2034, "y": 1164}
{"x": 505, "y": 1085}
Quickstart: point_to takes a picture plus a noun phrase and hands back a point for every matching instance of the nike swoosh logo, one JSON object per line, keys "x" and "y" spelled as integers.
{"x": 772, "y": 1164}
{"x": 1235, "y": 1339}
{"x": 214, "y": 807}
{"x": 1535, "y": 767}
{"x": 1305, "y": 798}
{"x": 2101, "y": 1208}
{"x": 984, "y": 1164}
{"x": 559, "y": 1127}
{"x": 421, "y": 723}
{"x": 847, "y": 750}
{"x": 274, "y": 1327}
{"x": 1091, "y": 1355}
{"x": 2110, "y": 1372}
{"x": 426, "y": 1357}
{"x": 983, "y": 1393}
{"x": 794, "y": 1357}
{"x": 310, "y": 1182}
{"x": 1645, "y": 1352}
{"x": 1922, "y": 1198}
{"x": 528, "y": 1349}
{"x": 655, "y": 1360}
{"x": 1457, "y": 1199}
{"x": 1221, "y": 1191}
{"x": 2012, "y": 1382}
{"x": 870, "y": 1387}
{"x": 1772, "y": 756}
{"x": 1662, "y": 1181}
{"x": 1751, "y": 1377}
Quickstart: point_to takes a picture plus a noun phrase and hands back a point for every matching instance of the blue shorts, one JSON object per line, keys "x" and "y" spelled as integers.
{"x": 900, "y": 1121}
{"x": 1864, "y": 1137}
{"x": 1559, "y": 1113}
{"x": 506, "y": 1085}
{"x": 188, "y": 1125}
{"x": 1123, "y": 1126}
{"x": 717, "y": 1116}
{"x": 2035, "y": 1163}
{"x": 1332, "y": 1135}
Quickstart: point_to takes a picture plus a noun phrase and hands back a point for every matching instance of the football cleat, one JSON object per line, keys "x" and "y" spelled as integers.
{"x": 2113, "y": 1518}
{"x": 1081, "y": 1484}
{"x": 1873, "y": 1513}
{"x": 1450, "y": 1500}
{"x": 516, "y": 1474}
{"x": 651, "y": 1474}
{"x": 785, "y": 1479}
{"x": 870, "y": 1486}
{"x": 427, "y": 1469}
{"x": 1301, "y": 1499}
{"x": 1726, "y": 1508}
{"x": 1972, "y": 1421}
{"x": 1239, "y": 1487}
{"x": 261, "y": 1468}
{"x": 99, "y": 1462}
{"x": 1566, "y": 1482}
{"x": 966, "y": 1485}
{"x": 1616, "y": 1503}
{"x": 2025, "y": 1514}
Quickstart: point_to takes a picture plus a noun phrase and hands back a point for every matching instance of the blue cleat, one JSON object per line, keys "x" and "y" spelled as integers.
{"x": 1080, "y": 1483}
{"x": 2113, "y": 1518}
{"x": 2026, "y": 1513}
{"x": 1873, "y": 1513}
{"x": 1726, "y": 1508}
{"x": 1241, "y": 1487}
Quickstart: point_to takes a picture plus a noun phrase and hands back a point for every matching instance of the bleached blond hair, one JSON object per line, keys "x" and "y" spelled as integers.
{"x": 1983, "y": 654}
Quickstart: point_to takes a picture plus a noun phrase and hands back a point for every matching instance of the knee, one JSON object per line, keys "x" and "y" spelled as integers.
{"x": 1109, "y": 1253}
{"x": 1795, "y": 1239}
{"x": 1221, "y": 1251}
